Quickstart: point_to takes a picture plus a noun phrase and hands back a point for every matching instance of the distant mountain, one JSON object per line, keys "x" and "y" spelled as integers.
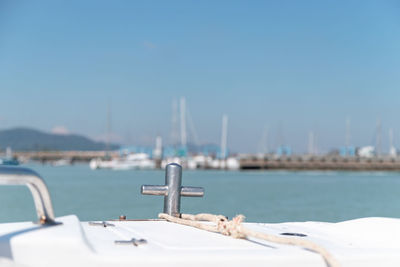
{"x": 25, "y": 139}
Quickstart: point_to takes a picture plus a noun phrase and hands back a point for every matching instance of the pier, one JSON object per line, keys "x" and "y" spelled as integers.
{"x": 325, "y": 163}
{"x": 73, "y": 156}
{"x": 246, "y": 162}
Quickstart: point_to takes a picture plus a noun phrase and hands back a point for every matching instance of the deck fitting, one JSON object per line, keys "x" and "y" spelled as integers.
{"x": 172, "y": 190}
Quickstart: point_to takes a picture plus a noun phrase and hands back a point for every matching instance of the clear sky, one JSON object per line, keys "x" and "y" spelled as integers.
{"x": 289, "y": 66}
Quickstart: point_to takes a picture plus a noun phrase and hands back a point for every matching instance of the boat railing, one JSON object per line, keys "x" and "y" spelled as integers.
{"x": 37, "y": 187}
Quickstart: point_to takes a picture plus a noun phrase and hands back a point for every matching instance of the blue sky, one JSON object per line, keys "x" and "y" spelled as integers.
{"x": 290, "y": 66}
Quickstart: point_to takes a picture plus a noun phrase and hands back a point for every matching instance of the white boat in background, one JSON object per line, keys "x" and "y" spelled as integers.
{"x": 66, "y": 241}
{"x": 9, "y": 159}
{"x": 230, "y": 163}
{"x": 198, "y": 162}
{"x": 99, "y": 163}
{"x": 139, "y": 161}
{"x": 203, "y": 162}
{"x": 61, "y": 162}
{"x": 177, "y": 160}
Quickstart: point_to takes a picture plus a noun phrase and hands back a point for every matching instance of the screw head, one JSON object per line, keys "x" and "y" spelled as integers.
{"x": 42, "y": 219}
{"x": 122, "y": 217}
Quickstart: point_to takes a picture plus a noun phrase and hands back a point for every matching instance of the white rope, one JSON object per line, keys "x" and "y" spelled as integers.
{"x": 235, "y": 229}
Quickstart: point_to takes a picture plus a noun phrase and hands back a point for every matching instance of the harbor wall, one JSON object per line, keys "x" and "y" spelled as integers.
{"x": 246, "y": 162}
{"x": 79, "y": 156}
{"x": 320, "y": 163}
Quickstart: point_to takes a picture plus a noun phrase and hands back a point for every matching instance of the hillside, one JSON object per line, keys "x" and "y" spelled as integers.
{"x": 25, "y": 139}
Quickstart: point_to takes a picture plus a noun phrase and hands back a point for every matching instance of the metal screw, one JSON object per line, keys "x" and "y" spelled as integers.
{"x": 42, "y": 220}
{"x": 133, "y": 241}
{"x": 103, "y": 223}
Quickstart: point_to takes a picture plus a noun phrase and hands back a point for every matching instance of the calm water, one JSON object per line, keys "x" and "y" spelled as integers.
{"x": 273, "y": 196}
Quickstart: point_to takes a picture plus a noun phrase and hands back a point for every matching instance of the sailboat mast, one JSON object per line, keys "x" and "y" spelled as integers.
{"x": 174, "y": 123}
{"x": 183, "y": 121}
{"x": 378, "y": 137}
{"x": 224, "y": 136}
{"x": 311, "y": 143}
{"x": 347, "y": 133}
{"x": 264, "y": 141}
{"x": 392, "y": 149}
{"x": 108, "y": 134}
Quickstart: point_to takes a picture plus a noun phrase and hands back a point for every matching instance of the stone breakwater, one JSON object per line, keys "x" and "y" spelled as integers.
{"x": 320, "y": 163}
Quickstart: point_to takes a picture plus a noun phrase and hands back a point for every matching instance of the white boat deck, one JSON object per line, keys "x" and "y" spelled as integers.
{"x": 362, "y": 242}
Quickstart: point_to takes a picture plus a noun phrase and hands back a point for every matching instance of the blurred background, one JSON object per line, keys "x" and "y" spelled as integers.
{"x": 283, "y": 103}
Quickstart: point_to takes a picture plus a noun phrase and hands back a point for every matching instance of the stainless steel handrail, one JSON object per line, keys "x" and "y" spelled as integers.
{"x": 38, "y": 188}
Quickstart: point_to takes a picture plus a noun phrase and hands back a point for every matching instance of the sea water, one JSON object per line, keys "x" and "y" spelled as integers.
{"x": 262, "y": 196}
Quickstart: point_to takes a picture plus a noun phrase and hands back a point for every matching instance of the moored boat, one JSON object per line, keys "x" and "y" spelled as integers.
{"x": 9, "y": 161}
{"x": 132, "y": 161}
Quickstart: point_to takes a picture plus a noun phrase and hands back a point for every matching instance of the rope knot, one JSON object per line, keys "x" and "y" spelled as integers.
{"x": 230, "y": 228}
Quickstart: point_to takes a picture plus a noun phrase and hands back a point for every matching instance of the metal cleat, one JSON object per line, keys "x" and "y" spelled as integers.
{"x": 172, "y": 190}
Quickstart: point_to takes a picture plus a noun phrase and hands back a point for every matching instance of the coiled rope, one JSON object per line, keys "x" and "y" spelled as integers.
{"x": 235, "y": 229}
